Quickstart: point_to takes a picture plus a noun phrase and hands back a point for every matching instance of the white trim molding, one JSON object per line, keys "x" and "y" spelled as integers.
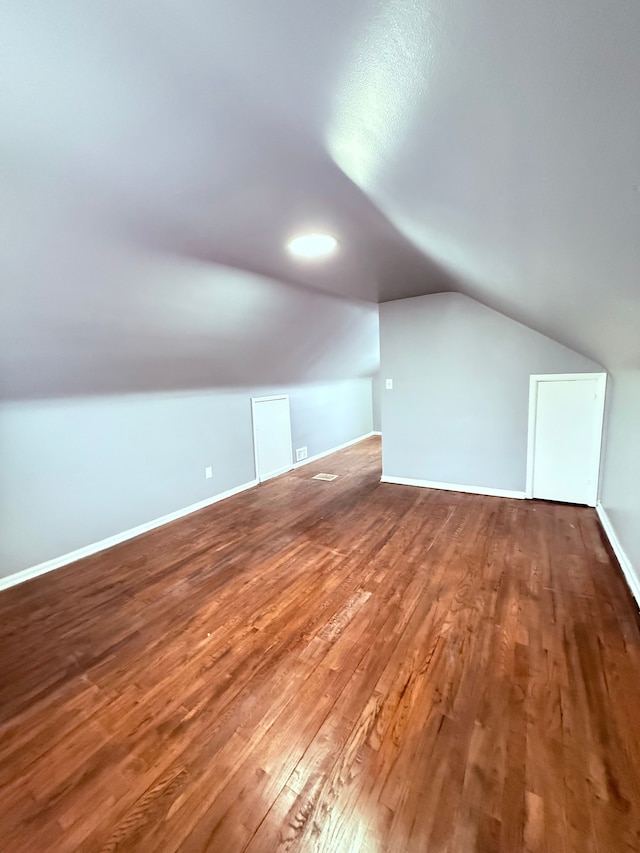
{"x": 534, "y": 381}
{"x": 333, "y": 449}
{"x": 633, "y": 581}
{"x": 453, "y": 487}
{"x": 376, "y": 432}
{"x": 103, "y": 544}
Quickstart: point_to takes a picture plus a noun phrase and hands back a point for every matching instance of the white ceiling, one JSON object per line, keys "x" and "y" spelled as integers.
{"x": 473, "y": 145}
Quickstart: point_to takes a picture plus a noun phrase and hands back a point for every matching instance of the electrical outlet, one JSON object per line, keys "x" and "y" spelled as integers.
{"x": 301, "y": 453}
{"x": 208, "y": 472}
{"x": 389, "y": 385}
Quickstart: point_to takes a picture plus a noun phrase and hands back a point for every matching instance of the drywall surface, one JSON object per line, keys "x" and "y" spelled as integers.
{"x": 377, "y": 402}
{"x": 76, "y": 471}
{"x": 486, "y": 147}
{"x": 458, "y": 411}
{"x": 331, "y": 414}
{"x": 620, "y": 480}
{"x": 194, "y": 324}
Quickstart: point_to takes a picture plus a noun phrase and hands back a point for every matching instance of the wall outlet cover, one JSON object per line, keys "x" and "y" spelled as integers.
{"x": 208, "y": 473}
{"x": 301, "y": 453}
{"x": 388, "y": 384}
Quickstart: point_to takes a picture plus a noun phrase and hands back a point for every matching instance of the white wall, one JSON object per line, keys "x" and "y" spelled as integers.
{"x": 620, "y": 480}
{"x": 76, "y": 471}
{"x": 377, "y": 402}
{"x": 459, "y": 405}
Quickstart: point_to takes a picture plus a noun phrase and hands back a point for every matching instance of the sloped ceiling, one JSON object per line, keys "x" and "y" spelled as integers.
{"x": 487, "y": 147}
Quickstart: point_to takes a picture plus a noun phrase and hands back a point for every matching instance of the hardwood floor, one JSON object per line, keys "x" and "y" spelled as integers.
{"x": 328, "y": 666}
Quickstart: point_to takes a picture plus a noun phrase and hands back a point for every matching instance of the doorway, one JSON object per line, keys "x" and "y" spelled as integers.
{"x": 565, "y": 436}
{"x": 271, "y": 436}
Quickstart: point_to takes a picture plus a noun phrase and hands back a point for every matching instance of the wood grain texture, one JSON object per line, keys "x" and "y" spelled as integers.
{"x": 328, "y": 666}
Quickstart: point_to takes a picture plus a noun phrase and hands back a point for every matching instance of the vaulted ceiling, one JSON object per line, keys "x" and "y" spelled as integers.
{"x": 487, "y": 147}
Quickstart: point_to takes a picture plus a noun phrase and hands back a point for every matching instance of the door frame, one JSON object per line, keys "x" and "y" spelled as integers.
{"x": 269, "y": 399}
{"x": 534, "y": 382}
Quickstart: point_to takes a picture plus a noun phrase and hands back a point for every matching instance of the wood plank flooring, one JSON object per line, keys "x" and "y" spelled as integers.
{"x": 345, "y": 666}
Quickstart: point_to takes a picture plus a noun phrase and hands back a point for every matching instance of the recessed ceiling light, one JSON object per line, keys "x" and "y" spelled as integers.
{"x": 312, "y": 245}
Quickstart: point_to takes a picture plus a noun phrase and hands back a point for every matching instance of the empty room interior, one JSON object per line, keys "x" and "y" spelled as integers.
{"x": 320, "y": 426}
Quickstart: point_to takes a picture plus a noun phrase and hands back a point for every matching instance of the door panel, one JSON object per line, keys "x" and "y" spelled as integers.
{"x": 567, "y": 440}
{"x": 272, "y": 437}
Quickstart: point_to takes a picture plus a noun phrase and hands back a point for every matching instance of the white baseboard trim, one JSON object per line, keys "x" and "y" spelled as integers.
{"x": 633, "y": 581}
{"x": 88, "y": 550}
{"x": 452, "y": 487}
{"x": 376, "y": 432}
{"x": 333, "y": 450}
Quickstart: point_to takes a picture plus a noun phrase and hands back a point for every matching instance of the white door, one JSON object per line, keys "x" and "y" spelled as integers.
{"x": 565, "y": 436}
{"x": 271, "y": 436}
